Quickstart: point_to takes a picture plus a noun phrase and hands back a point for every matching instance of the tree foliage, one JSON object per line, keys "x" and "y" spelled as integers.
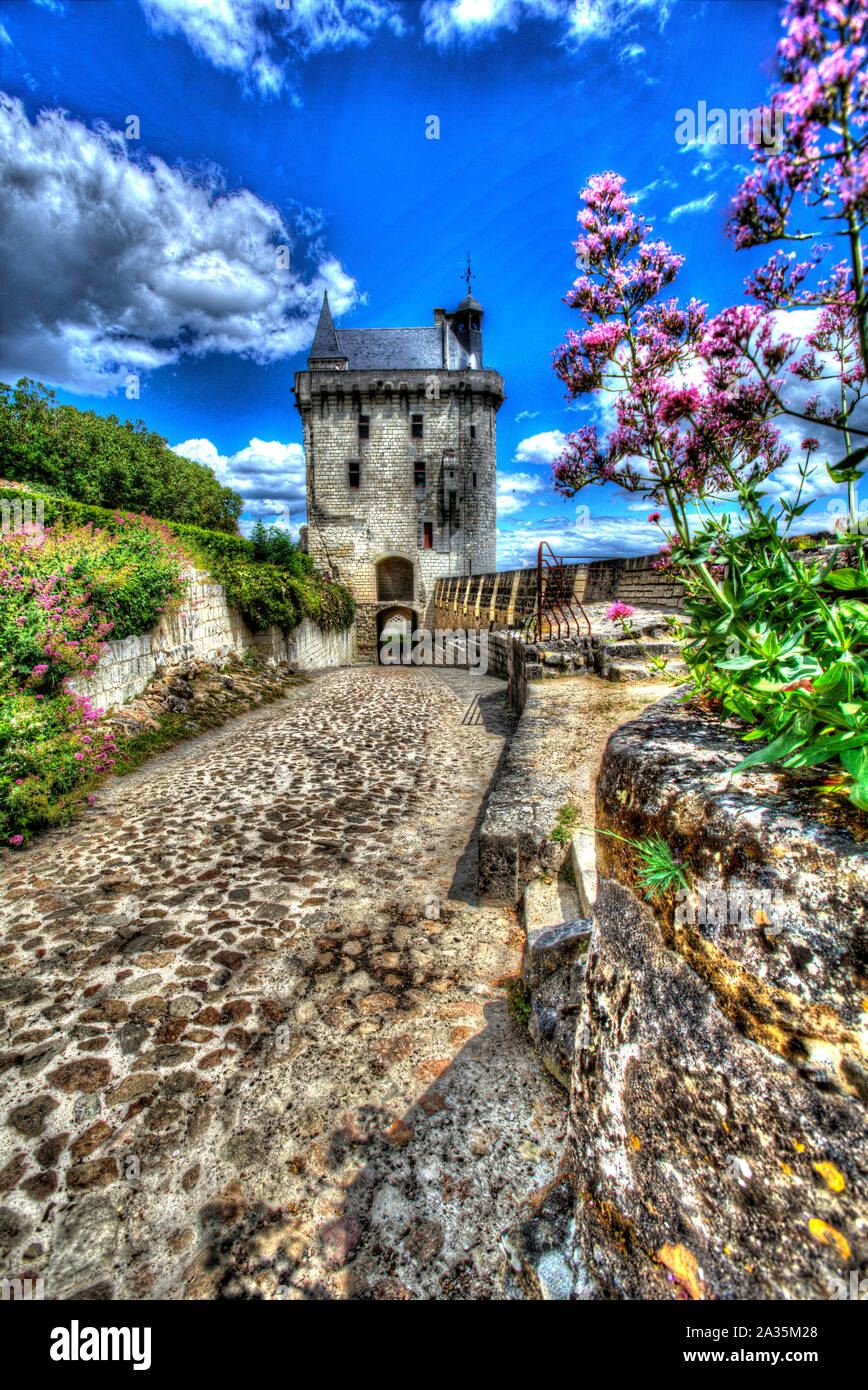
{"x": 105, "y": 461}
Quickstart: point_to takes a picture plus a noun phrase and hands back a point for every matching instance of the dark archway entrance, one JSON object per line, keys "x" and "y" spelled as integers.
{"x": 393, "y": 622}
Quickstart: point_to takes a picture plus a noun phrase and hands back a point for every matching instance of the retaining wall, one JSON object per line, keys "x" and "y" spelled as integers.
{"x": 204, "y": 627}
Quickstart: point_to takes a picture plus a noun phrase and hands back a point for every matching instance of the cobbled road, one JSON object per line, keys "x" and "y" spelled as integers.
{"x": 253, "y": 1042}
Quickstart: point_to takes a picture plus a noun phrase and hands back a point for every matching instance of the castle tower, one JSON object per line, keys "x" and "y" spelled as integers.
{"x": 400, "y": 447}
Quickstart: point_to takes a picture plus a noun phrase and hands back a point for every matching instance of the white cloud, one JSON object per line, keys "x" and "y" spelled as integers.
{"x": 526, "y": 415}
{"x": 116, "y": 265}
{"x": 514, "y": 490}
{"x": 269, "y": 475}
{"x": 589, "y": 538}
{"x": 465, "y": 21}
{"x": 541, "y": 448}
{"x": 697, "y": 205}
{"x": 603, "y": 18}
{"x": 258, "y": 39}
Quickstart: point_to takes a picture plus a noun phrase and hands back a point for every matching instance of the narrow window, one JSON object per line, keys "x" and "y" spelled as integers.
{"x": 429, "y": 535}
{"x": 416, "y": 427}
{"x": 474, "y": 480}
{"x": 472, "y": 431}
{"x": 364, "y": 427}
{"x": 354, "y": 469}
{"x": 419, "y": 473}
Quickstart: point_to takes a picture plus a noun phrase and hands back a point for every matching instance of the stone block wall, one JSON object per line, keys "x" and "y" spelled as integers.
{"x": 203, "y": 627}
{"x": 500, "y": 599}
{"x": 633, "y": 581}
{"x": 308, "y": 648}
{"x": 442, "y": 482}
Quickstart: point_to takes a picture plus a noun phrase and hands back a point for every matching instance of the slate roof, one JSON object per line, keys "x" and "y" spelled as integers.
{"x": 385, "y": 349}
{"x": 325, "y": 342}
{"x": 389, "y": 348}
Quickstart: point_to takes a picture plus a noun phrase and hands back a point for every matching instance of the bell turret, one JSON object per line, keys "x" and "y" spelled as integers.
{"x": 467, "y": 327}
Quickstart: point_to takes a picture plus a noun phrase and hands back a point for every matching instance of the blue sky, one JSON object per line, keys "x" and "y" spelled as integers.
{"x": 262, "y": 126}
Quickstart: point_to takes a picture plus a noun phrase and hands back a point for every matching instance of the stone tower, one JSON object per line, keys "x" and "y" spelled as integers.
{"x": 400, "y": 446}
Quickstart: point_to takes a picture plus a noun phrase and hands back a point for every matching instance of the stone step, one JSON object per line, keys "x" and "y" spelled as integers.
{"x": 547, "y": 903}
{"x": 634, "y": 671}
{"x": 628, "y": 671}
{"x": 551, "y": 949}
{"x": 637, "y": 651}
{"x": 583, "y": 856}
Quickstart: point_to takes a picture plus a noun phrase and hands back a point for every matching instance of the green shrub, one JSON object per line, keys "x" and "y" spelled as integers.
{"x": 102, "y": 460}
{"x": 788, "y": 653}
{"x": 274, "y": 547}
{"x": 265, "y": 595}
{"x": 63, "y": 595}
{"x": 279, "y": 594}
{"x": 51, "y": 751}
{"x": 565, "y": 824}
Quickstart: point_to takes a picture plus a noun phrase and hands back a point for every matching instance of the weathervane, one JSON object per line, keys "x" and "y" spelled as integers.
{"x": 468, "y": 274}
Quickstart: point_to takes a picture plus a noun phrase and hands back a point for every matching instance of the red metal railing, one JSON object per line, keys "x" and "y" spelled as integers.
{"x": 557, "y": 612}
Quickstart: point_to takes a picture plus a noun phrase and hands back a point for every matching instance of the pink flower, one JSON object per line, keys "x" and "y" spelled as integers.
{"x": 654, "y": 516}
{"x": 619, "y": 610}
{"x": 79, "y": 757}
{"x": 16, "y": 839}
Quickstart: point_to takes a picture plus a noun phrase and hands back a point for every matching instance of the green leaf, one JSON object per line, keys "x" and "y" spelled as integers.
{"x": 856, "y": 763}
{"x": 738, "y": 663}
{"x": 845, "y": 579}
{"x": 825, "y": 748}
{"x": 846, "y": 470}
{"x": 778, "y": 748}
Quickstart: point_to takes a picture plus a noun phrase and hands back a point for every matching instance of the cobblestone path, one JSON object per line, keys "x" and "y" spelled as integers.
{"x": 252, "y": 1043}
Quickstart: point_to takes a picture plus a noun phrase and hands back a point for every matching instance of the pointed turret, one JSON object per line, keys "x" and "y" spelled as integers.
{"x": 326, "y": 349}
{"x": 467, "y": 327}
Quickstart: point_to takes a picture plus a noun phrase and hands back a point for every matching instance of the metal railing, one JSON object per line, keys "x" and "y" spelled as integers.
{"x": 557, "y": 612}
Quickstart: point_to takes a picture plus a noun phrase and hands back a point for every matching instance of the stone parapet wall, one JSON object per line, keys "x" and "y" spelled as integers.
{"x": 203, "y": 627}
{"x": 515, "y": 838}
{"x": 499, "y": 599}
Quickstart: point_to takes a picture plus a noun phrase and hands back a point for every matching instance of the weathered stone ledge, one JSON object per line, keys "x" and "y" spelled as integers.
{"x": 515, "y": 838}
{"x": 717, "y": 1128}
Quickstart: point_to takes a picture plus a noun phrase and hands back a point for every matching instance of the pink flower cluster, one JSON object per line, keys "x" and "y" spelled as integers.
{"x": 821, "y": 164}
{"x": 672, "y": 434}
{"x": 619, "y": 610}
